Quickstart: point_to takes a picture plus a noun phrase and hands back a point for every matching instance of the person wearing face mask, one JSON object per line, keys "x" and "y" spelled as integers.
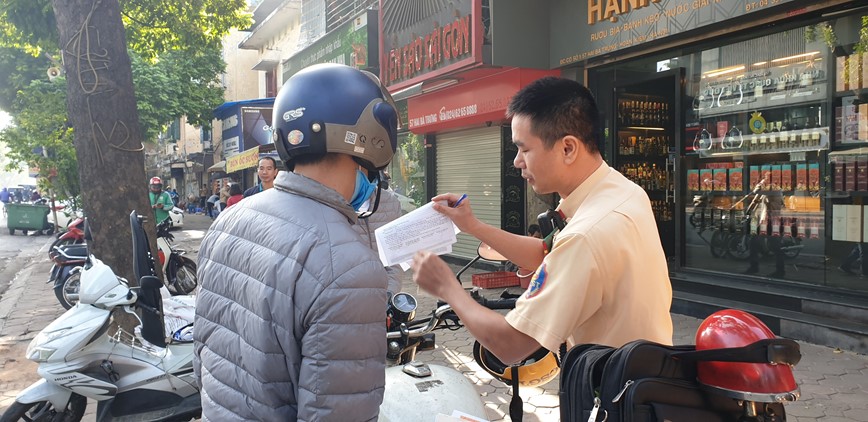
{"x": 290, "y": 313}
{"x": 364, "y": 196}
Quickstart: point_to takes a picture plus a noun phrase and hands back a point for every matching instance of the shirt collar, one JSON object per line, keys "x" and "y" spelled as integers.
{"x": 569, "y": 205}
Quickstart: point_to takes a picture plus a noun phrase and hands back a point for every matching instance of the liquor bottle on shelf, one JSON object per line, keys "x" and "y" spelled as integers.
{"x": 816, "y": 135}
{"x": 763, "y": 138}
{"x": 794, "y": 133}
{"x": 773, "y": 136}
{"x": 784, "y": 141}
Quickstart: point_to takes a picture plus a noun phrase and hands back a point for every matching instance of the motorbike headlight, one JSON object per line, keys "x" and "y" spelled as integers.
{"x": 38, "y": 351}
{"x": 40, "y": 354}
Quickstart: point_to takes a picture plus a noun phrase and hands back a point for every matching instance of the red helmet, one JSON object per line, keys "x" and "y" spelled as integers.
{"x": 156, "y": 182}
{"x": 760, "y": 382}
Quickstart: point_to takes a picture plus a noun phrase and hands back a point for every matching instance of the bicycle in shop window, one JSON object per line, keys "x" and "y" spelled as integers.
{"x": 732, "y": 229}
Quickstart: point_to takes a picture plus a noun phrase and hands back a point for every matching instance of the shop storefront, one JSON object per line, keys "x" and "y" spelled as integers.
{"x": 747, "y": 130}
{"x": 246, "y": 136}
{"x": 457, "y": 75}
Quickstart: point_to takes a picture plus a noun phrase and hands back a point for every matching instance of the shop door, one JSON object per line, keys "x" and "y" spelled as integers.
{"x": 469, "y": 162}
{"x": 645, "y": 145}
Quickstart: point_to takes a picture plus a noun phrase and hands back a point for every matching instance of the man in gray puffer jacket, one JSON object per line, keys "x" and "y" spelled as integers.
{"x": 290, "y": 316}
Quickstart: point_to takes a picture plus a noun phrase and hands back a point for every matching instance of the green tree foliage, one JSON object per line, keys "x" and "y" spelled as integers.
{"x": 158, "y": 26}
{"x": 42, "y": 138}
{"x": 180, "y": 83}
{"x": 176, "y": 61}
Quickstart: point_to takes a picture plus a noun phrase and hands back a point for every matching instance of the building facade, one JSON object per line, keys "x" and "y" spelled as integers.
{"x": 455, "y": 67}
{"x": 747, "y": 129}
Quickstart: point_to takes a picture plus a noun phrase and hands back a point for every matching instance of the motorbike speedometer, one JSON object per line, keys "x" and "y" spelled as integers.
{"x": 403, "y": 306}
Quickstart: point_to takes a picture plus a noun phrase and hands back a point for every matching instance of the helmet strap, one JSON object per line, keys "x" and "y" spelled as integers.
{"x": 373, "y": 208}
{"x": 515, "y": 411}
{"x": 372, "y": 175}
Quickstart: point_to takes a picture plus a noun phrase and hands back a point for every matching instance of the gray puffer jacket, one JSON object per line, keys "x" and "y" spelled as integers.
{"x": 388, "y": 210}
{"x": 290, "y": 315}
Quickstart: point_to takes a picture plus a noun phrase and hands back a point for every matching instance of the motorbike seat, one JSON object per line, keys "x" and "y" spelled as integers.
{"x": 68, "y": 253}
{"x": 149, "y": 296}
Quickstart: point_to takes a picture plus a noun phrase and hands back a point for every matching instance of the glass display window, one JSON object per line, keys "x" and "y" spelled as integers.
{"x": 756, "y": 139}
{"x": 771, "y": 139}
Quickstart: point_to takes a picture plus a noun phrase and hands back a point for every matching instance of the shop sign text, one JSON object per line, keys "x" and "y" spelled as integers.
{"x": 613, "y": 25}
{"x": 425, "y": 53}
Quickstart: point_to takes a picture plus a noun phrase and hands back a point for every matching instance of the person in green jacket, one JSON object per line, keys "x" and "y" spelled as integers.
{"x": 161, "y": 202}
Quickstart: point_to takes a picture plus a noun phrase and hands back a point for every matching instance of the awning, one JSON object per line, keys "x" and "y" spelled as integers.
{"x": 228, "y": 108}
{"x": 219, "y": 166}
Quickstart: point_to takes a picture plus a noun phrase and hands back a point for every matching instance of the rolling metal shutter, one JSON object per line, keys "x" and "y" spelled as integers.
{"x": 469, "y": 162}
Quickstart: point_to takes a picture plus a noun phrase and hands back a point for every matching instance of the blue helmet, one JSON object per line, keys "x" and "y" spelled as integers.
{"x": 332, "y": 108}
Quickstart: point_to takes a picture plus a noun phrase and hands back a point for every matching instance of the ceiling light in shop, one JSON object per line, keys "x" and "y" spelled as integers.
{"x": 722, "y": 71}
{"x": 797, "y": 56}
{"x": 759, "y": 63}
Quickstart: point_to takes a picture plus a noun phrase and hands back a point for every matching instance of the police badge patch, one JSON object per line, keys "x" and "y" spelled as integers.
{"x": 538, "y": 281}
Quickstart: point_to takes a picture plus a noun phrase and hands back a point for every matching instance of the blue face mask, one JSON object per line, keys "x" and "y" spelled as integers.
{"x": 363, "y": 190}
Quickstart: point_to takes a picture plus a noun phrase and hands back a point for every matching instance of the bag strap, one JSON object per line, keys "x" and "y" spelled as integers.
{"x": 515, "y": 404}
{"x": 774, "y": 351}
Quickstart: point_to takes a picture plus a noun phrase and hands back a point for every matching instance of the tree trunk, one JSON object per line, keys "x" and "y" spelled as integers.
{"x": 102, "y": 109}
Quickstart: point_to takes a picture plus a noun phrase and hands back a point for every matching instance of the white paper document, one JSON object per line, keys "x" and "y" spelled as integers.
{"x": 422, "y": 229}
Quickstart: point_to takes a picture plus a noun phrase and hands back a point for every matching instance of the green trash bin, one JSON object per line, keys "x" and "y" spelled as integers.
{"x": 27, "y": 217}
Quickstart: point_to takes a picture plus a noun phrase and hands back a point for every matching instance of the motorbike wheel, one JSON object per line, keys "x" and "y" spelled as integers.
{"x": 719, "y": 244}
{"x": 67, "y": 293}
{"x": 183, "y": 277}
{"x": 44, "y": 411}
{"x": 792, "y": 247}
{"x": 739, "y": 246}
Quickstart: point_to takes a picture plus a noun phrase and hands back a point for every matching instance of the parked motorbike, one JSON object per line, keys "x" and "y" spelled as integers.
{"x": 66, "y": 272}
{"x": 65, "y": 215}
{"x": 403, "y": 400}
{"x": 73, "y": 235}
{"x": 132, "y": 376}
{"x": 178, "y": 270}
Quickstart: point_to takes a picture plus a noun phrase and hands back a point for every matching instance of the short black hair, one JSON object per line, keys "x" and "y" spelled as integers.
{"x": 235, "y": 189}
{"x": 273, "y": 161}
{"x": 558, "y": 107}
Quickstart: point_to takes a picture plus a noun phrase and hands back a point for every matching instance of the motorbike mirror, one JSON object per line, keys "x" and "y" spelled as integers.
{"x": 88, "y": 236}
{"x": 488, "y": 253}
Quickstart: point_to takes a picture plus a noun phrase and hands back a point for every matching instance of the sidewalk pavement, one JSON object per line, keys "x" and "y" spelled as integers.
{"x": 834, "y": 383}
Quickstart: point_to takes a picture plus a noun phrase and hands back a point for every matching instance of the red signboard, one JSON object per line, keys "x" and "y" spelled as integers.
{"x": 477, "y": 101}
{"x": 440, "y": 41}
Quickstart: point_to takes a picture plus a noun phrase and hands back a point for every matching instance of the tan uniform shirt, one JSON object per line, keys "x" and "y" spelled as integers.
{"x": 606, "y": 279}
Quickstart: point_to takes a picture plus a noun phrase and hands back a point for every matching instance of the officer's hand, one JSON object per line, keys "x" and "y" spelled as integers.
{"x": 432, "y": 274}
{"x": 461, "y": 215}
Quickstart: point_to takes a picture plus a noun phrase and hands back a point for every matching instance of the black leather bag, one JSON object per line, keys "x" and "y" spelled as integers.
{"x": 646, "y": 381}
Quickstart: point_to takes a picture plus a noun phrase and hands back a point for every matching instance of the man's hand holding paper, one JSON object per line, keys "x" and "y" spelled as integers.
{"x": 422, "y": 229}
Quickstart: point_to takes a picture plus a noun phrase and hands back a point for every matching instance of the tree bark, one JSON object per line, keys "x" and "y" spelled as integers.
{"x": 102, "y": 109}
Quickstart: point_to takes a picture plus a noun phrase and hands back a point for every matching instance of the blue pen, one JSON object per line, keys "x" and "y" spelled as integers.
{"x": 458, "y": 202}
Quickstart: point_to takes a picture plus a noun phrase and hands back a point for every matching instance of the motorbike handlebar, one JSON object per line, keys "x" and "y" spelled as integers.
{"x": 445, "y": 312}
{"x": 497, "y": 303}
{"x": 430, "y": 325}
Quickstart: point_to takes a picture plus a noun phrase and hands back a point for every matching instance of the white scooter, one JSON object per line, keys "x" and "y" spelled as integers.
{"x": 133, "y": 376}
{"x": 417, "y": 391}
{"x": 178, "y": 270}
